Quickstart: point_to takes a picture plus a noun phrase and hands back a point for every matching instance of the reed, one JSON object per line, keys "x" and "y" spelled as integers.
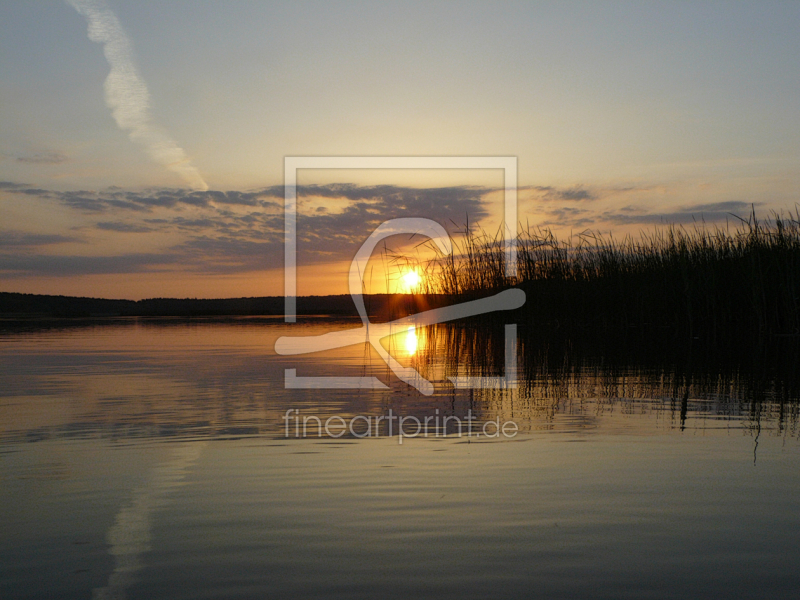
{"x": 704, "y": 282}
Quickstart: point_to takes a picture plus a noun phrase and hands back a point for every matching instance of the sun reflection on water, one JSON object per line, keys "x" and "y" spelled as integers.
{"x": 411, "y": 341}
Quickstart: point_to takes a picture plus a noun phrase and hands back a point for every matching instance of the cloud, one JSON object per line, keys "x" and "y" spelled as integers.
{"x": 241, "y": 231}
{"x": 550, "y": 193}
{"x": 709, "y": 213}
{"x": 230, "y": 255}
{"x": 126, "y": 93}
{"x": 730, "y": 206}
{"x": 594, "y": 216}
{"x": 10, "y": 185}
{"x": 44, "y": 158}
{"x": 80, "y": 200}
{"x": 399, "y": 195}
{"x": 147, "y": 201}
{"x": 15, "y": 265}
{"x": 123, "y": 227}
{"x": 20, "y": 239}
{"x": 584, "y": 193}
{"x": 571, "y": 216}
{"x": 576, "y": 194}
{"x": 374, "y": 202}
{"x": 254, "y": 240}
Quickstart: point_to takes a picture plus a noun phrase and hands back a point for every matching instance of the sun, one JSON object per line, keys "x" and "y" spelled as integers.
{"x": 410, "y": 281}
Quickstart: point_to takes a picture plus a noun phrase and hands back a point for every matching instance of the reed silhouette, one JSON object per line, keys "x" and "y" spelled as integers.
{"x": 736, "y": 282}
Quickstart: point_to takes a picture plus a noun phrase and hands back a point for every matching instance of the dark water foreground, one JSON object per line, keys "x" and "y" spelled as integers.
{"x": 150, "y": 459}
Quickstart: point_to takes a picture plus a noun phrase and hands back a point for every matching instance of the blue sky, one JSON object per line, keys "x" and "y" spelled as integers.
{"x": 622, "y": 115}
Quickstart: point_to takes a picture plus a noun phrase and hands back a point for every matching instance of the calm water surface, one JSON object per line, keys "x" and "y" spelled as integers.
{"x": 149, "y": 459}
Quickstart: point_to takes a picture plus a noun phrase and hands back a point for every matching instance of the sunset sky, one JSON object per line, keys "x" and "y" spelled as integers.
{"x": 143, "y": 143}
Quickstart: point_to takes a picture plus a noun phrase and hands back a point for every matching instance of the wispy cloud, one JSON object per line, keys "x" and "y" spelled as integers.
{"x": 547, "y": 192}
{"x": 9, "y": 185}
{"x": 714, "y": 212}
{"x": 569, "y": 207}
{"x": 51, "y": 265}
{"x": 21, "y": 240}
{"x": 123, "y": 227}
{"x": 127, "y": 95}
{"x": 584, "y": 193}
{"x": 43, "y": 158}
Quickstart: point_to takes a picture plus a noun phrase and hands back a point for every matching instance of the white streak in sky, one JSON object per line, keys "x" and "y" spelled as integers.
{"x": 127, "y": 95}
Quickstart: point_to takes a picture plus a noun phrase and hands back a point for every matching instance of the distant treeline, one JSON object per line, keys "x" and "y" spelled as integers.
{"x": 32, "y": 306}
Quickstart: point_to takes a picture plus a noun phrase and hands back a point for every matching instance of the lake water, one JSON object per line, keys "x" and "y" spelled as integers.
{"x": 153, "y": 459}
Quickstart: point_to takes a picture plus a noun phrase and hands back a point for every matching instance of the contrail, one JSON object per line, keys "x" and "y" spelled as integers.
{"x": 127, "y": 95}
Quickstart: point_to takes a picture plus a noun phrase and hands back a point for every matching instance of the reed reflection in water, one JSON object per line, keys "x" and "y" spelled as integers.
{"x": 148, "y": 459}
{"x": 565, "y": 382}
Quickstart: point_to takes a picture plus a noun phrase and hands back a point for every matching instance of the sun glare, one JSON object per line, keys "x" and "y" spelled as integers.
{"x": 410, "y": 281}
